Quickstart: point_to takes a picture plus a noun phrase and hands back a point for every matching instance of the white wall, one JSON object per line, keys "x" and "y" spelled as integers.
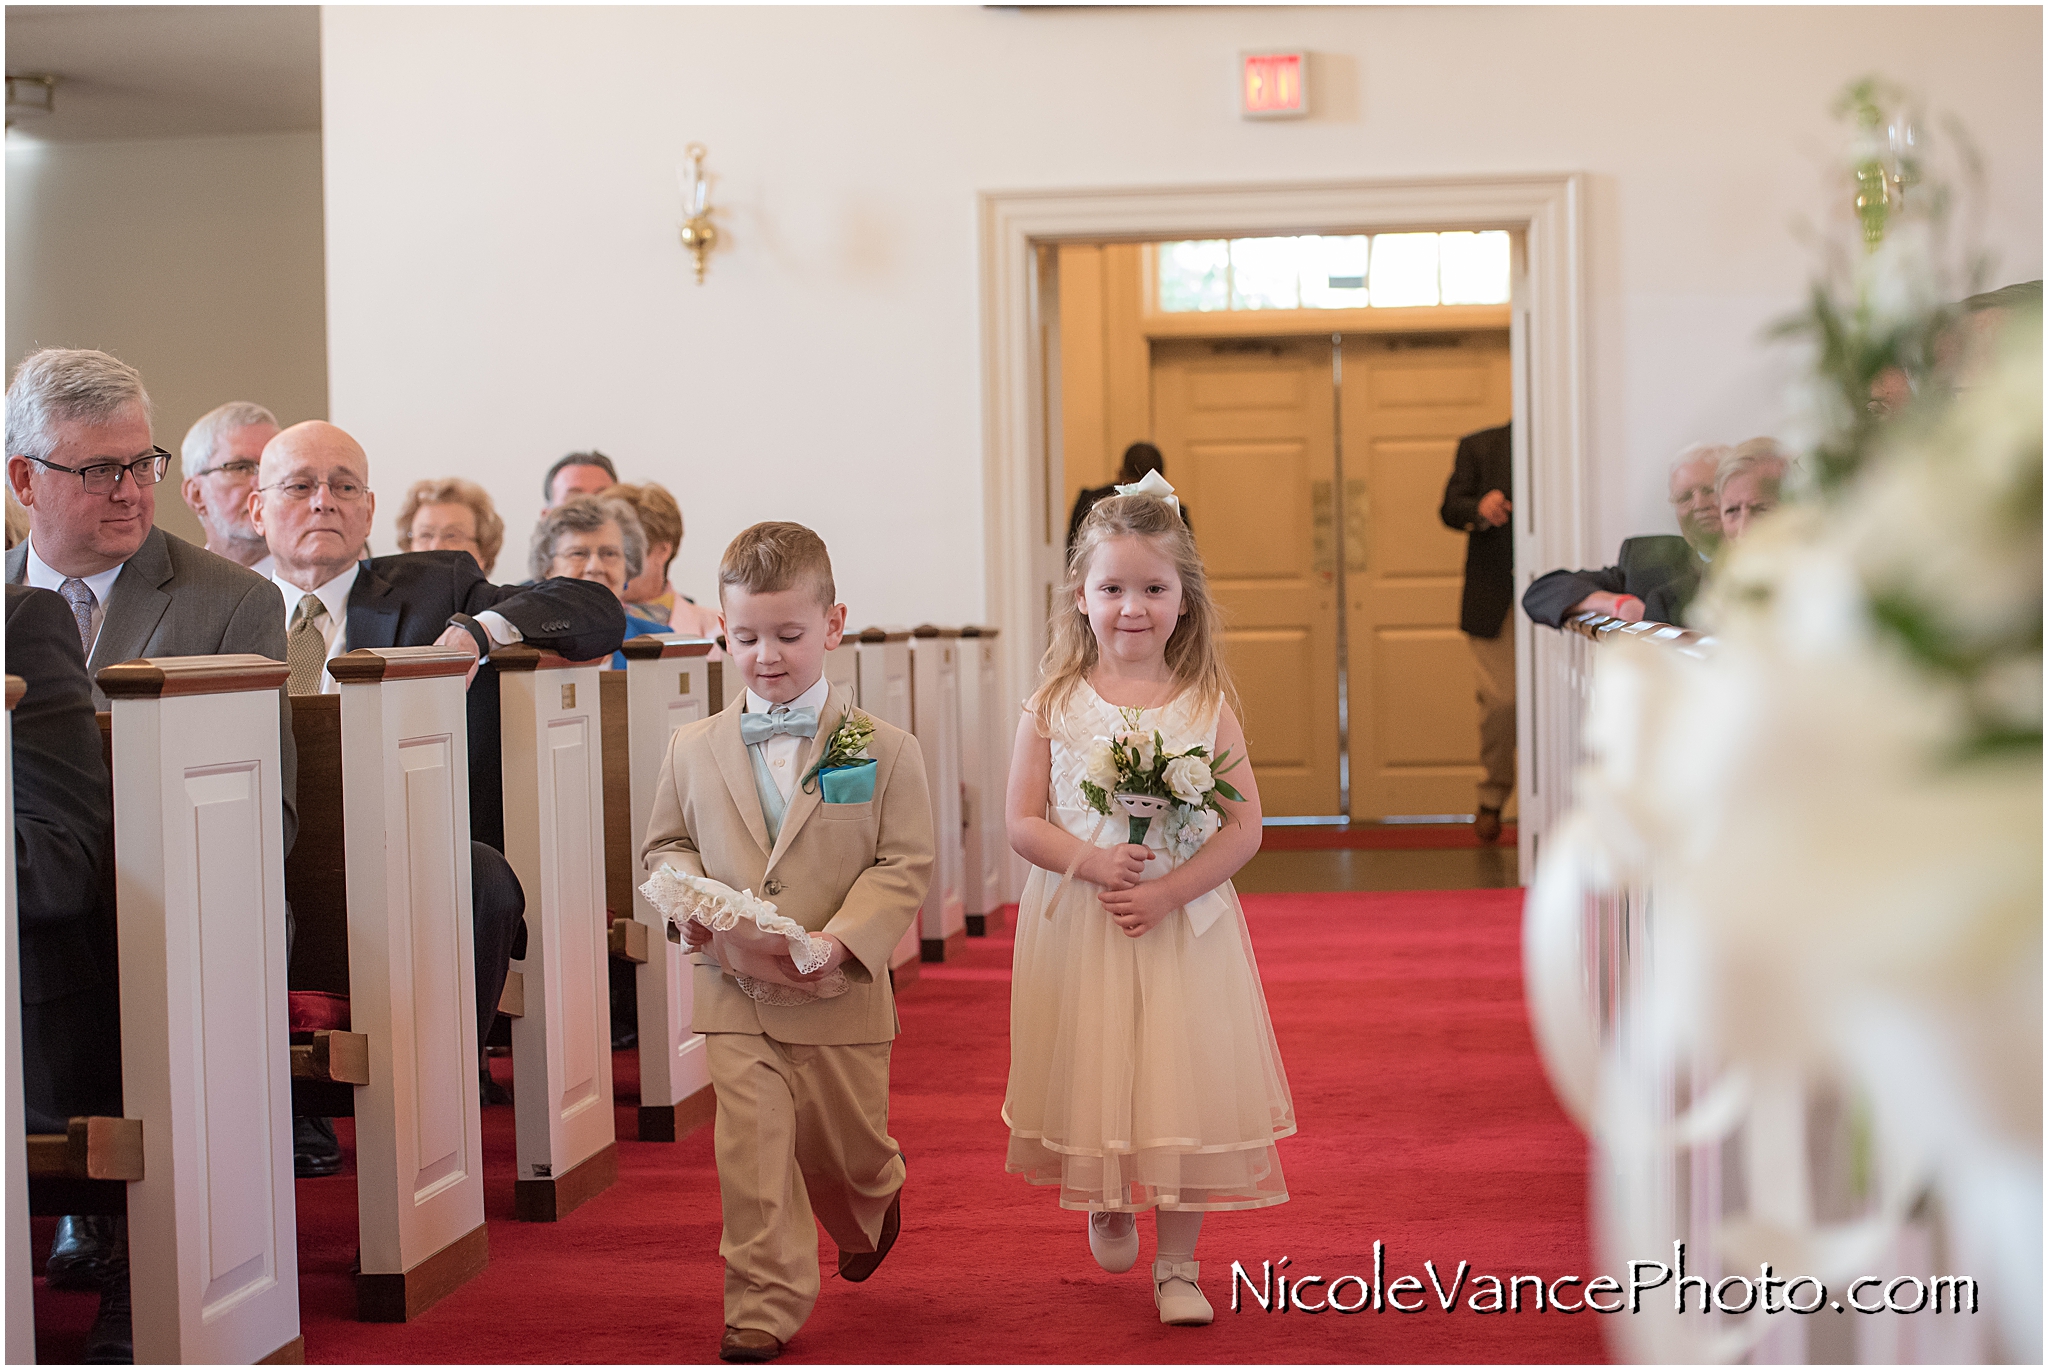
{"x": 505, "y": 284}
{"x": 195, "y": 260}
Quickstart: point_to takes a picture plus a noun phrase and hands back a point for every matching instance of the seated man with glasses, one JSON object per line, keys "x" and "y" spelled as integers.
{"x": 221, "y": 451}
{"x": 80, "y": 460}
{"x": 1655, "y": 577}
{"x": 314, "y": 506}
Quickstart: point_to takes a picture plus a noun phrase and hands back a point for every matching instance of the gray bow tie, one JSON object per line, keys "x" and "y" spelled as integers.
{"x": 755, "y": 728}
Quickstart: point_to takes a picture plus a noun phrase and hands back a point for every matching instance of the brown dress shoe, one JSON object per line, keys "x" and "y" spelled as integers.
{"x": 1486, "y": 825}
{"x": 858, "y": 1265}
{"x": 748, "y": 1346}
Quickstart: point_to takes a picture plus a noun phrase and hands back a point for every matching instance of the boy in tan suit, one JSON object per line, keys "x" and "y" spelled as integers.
{"x": 803, "y": 1089}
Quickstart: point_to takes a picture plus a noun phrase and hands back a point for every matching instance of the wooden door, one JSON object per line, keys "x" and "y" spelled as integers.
{"x": 1414, "y": 736}
{"x": 1247, "y": 430}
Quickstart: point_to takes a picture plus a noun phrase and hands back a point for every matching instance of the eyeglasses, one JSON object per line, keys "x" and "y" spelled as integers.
{"x": 579, "y": 556}
{"x": 237, "y": 469}
{"x": 102, "y": 476}
{"x": 298, "y": 491}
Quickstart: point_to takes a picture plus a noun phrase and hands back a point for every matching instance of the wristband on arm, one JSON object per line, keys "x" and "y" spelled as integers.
{"x": 475, "y": 630}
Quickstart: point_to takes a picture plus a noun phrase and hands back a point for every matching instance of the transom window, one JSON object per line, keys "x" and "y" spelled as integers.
{"x": 1382, "y": 270}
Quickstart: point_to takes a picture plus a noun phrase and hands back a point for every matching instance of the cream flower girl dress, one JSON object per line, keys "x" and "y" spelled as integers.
{"x": 1143, "y": 1071}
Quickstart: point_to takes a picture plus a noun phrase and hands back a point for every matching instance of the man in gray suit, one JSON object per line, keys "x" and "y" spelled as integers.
{"x": 81, "y": 460}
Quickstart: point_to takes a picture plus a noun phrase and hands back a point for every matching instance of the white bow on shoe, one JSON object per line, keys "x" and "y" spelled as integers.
{"x": 1178, "y": 1295}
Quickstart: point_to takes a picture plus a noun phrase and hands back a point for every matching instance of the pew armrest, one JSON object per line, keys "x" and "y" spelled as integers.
{"x": 628, "y": 938}
{"x": 92, "y": 1149}
{"x": 343, "y": 1057}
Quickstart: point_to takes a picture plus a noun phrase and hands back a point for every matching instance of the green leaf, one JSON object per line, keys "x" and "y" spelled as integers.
{"x": 1224, "y": 788}
{"x": 1097, "y": 797}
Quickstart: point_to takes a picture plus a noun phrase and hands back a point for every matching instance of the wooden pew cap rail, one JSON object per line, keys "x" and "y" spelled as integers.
{"x": 883, "y": 635}
{"x": 663, "y": 646}
{"x": 933, "y": 630}
{"x": 520, "y": 657}
{"x": 972, "y": 630}
{"x": 368, "y": 665}
{"x": 16, "y": 688}
{"x": 159, "y": 677}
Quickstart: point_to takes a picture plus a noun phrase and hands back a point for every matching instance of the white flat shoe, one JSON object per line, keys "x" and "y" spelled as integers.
{"x": 1115, "y": 1250}
{"x": 1178, "y": 1295}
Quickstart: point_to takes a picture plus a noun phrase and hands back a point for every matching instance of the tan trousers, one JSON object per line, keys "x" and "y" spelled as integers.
{"x": 801, "y": 1130}
{"x": 1493, "y": 661}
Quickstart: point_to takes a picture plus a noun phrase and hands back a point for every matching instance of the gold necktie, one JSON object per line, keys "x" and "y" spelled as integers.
{"x": 305, "y": 646}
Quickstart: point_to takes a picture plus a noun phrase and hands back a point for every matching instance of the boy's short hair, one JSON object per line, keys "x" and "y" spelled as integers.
{"x": 778, "y": 556}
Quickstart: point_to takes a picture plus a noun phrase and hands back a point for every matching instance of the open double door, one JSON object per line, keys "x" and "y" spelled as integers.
{"x": 1313, "y": 470}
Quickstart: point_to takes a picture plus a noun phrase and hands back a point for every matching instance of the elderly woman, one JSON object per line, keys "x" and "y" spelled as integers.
{"x": 452, "y": 515}
{"x": 649, "y": 594}
{"x": 1746, "y": 484}
{"x": 594, "y": 537}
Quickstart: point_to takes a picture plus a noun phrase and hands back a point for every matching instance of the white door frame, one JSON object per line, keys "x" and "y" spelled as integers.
{"x": 1547, "y": 337}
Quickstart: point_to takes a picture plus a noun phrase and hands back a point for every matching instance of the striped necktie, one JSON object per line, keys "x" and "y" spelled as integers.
{"x": 80, "y": 597}
{"x": 305, "y": 646}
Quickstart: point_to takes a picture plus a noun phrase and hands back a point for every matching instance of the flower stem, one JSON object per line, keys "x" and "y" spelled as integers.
{"x": 1139, "y": 826}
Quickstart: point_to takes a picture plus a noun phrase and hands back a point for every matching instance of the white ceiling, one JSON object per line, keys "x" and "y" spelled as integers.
{"x": 170, "y": 71}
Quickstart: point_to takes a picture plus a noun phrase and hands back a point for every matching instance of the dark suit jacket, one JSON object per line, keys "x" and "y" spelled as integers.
{"x": 63, "y": 871}
{"x": 405, "y": 601}
{"x": 174, "y": 599}
{"x": 1661, "y": 571}
{"x": 1484, "y": 463}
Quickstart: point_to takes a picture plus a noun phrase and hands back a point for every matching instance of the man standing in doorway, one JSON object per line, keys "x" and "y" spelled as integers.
{"x": 1477, "y": 503}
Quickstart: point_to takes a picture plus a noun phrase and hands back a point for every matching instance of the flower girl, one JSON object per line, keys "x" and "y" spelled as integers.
{"x": 1143, "y": 1070}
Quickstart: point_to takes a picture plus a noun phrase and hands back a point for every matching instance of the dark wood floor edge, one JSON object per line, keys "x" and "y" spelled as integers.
{"x": 938, "y": 949}
{"x": 986, "y": 924}
{"x": 551, "y": 1200}
{"x": 292, "y": 1352}
{"x": 673, "y": 1122}
{"x": 401, "y": 1298}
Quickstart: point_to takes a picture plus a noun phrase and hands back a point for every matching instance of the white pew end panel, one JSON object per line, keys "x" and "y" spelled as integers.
{"x": 205, "y": 1052}
{"x": 935, "y": 718}
{"x": 554, "y": 838}
{"x": 411, "y": 973}
{"x": 882, "y": 669}
{"x": 670, "y": 681}
{"x": 986, "y": 731}
{"x": 21, "y": 1306}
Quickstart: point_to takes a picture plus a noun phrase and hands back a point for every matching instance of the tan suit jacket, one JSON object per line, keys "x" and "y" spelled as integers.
{"x": 857, "y": 871}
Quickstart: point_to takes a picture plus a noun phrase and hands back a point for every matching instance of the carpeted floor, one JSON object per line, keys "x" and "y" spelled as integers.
{"x": 1424, "y": 1124}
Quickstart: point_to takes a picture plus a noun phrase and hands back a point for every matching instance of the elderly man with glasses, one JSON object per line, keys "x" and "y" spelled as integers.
{"x": 80, "y": 459}
{"x": 221, "y": 452}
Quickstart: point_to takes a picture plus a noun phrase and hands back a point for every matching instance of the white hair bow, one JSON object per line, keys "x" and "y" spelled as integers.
{"x": 1154, "y": 485}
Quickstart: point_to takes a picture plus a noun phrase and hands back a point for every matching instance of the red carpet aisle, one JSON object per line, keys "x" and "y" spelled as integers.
{"x": 1425, "y": 1124}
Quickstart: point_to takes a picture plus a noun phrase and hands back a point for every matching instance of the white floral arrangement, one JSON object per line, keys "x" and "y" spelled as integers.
{"x": 1132, "y": 772}
{"x": 748, "y": 935}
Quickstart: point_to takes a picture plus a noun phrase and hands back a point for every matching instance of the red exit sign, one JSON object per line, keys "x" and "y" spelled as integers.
{"x": 1273, "y": 85}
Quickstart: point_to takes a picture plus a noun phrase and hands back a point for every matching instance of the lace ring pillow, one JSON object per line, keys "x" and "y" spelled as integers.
{"x": 748, "y": 937}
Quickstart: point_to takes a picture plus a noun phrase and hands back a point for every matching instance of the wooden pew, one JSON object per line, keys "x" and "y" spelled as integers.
{"x": 882, "y": 671}
{"x": 554, "y": 837}
{"x": 935, "y": 718}
{"x": 21, "y": 1306}
{"x": 384, "y": 881}
{"x": 669, "y": 681}
{"x": 986, "y": 733}
{"x": 842, "y": 666}
{"x": 199, "y": 888}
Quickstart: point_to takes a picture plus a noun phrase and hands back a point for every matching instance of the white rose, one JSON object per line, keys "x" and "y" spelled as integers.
{"x": 1141, "y": 746}
{"x": 1189, "y": 779}
{"x": 1100, "y": 767}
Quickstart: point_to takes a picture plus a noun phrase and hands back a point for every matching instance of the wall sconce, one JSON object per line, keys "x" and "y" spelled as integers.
{"x": 698, "y": 233}
{"x": 1885, "y": 156}
{"x": 30, "y": 97}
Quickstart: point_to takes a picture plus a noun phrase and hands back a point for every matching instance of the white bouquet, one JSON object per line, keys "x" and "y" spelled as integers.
{"x": 749, "y": 937}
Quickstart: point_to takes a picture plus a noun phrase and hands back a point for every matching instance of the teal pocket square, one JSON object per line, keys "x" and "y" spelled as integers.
{"x": 849, "y": 784}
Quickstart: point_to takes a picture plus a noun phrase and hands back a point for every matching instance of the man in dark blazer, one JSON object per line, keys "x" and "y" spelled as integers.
{"x": 1477, "y": 502}
{"x": 64, "y": 899}
{"x": 314, "y": 506}
{"x": 1655, "y": 577}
